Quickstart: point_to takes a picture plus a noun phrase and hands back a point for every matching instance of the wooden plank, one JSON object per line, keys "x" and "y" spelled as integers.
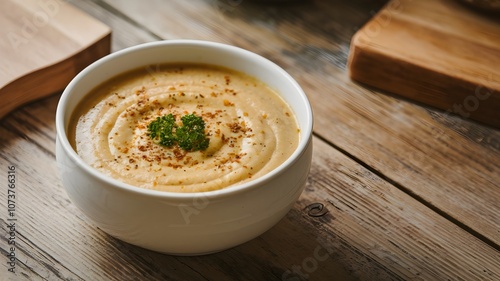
{"x": 424, "y": 152}
{"x": 371, "y": 231}
{"x": 439, "y": 53}
{"x": 44, "y": 45}
{"x": 399, "y": 232}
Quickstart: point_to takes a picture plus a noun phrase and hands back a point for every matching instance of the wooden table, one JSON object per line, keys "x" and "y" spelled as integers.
{"x": 397, "y": 191}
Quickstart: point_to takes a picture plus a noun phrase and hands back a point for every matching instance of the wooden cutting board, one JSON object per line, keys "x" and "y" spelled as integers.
{"x": 436, "y": 52}
{"x": 43, "y": 45}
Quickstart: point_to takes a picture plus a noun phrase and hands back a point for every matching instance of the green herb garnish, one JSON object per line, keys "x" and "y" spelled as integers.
{"x": 190, "y": 136}
{"x": 162, "y": 130}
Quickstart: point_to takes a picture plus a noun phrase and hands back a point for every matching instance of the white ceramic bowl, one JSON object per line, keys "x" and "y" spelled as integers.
{"x": 184, "y": 223}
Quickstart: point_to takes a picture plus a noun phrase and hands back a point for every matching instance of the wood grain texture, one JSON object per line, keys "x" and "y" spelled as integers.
{"x": 426, "y": 153}
{"x": 43, "y": 45}
{"x": 372, "y": 230}
{"x": 436, "y": 52}
{"x": 454, "y": 169}
{"x": 410, "y": 192}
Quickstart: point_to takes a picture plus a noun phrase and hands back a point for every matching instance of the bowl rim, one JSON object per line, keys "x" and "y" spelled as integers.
{"x": 62, "y": 137}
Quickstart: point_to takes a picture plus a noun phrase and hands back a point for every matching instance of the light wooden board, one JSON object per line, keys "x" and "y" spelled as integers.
{"x": 43, "y": 45}
{"x": 437, "y": 52}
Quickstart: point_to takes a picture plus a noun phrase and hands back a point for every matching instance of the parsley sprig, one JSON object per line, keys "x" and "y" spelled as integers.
{"x": 190, "y": 136}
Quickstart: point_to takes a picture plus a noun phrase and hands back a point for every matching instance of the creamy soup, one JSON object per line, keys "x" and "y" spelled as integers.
{"x": 250, "y": 129}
